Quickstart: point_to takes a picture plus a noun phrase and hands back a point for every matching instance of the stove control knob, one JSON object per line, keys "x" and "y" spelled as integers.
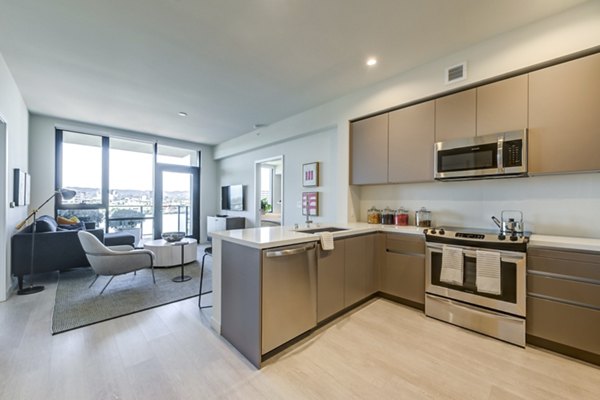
{"x": 501, "y": 237}
{"x": 442, "y": 231}
{"x": 514, "y": 238}
{"x": 433, "y": 231}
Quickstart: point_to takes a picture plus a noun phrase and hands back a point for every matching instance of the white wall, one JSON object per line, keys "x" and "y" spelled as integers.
{"x": 42, "y": 158}
{"x": 575, "y": 30}
{"x": 13, "y": 154}
{"x": 316, "y": 147}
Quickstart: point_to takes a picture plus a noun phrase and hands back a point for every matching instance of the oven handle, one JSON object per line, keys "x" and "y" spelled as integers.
{"x": 478, "y": 310}
{"x": 473, "y": 254}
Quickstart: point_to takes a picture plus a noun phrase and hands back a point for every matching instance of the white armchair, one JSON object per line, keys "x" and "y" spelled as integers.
{"x": 116, "y": 260}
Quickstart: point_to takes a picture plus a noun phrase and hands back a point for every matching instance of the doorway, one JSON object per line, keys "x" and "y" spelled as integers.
{"x": 269, "y": 192}
{"x": 176, "y": 199}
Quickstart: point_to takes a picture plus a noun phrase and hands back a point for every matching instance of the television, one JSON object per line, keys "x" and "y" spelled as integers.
{"x": 232, "y": 197}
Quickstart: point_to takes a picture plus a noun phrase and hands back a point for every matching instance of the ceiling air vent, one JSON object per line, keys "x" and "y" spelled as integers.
{"x": 456, "y": 73}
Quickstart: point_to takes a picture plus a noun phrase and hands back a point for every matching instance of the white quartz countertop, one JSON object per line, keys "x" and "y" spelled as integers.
{"x": 275, "y": 236}
{"x": 565, "y": 242}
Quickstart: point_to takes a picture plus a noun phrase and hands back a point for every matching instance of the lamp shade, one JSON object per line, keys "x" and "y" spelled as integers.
{"x": 67, "y": 194}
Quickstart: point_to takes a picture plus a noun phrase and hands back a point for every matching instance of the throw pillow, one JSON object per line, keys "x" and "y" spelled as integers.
{"x": 45, "y": 223}
{"x": 67, "y": 221}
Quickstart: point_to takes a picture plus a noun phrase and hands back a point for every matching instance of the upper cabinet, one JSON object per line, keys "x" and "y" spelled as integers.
{"x": 455, "y": 116}
{"x": 502, "y": 106}
{"x": 411, "y": 137}
{"x": 564, "y": 117}
{"x": 369, "y": 150}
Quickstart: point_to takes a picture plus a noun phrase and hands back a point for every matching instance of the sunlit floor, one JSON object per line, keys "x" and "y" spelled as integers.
{"x": 382, "y": 350}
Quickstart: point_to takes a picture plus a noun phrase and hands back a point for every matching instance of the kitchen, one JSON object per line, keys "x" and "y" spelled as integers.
{"x": 552, "y": 201}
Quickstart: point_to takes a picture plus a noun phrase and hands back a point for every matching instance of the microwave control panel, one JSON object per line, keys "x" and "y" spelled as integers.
{"x": 513, "y": 151}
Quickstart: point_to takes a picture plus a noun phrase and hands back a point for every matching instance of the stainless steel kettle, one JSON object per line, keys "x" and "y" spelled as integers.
{"x": 509, "y": 225}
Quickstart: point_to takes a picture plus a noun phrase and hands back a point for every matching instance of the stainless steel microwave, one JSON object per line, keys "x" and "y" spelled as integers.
{"x": 500, "y": 155}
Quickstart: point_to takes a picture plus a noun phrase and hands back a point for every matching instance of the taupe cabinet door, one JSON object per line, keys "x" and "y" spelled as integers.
{"x": 411, "y": 137}
{"x": 330, "y": 280}
{"x": 502, "y": 106}
{"x": 360, "y": 259}
{"x": 455, "y": 116}
{"x": 563, "y": 299}
{"x": 368, "y": 150}
{"x": 564, "y": 117}
{"x": 403, "y": 270}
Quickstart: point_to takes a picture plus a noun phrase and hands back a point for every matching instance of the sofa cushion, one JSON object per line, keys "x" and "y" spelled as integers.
{"x": 71, "y": 227}
{"x": 119, "y": 238}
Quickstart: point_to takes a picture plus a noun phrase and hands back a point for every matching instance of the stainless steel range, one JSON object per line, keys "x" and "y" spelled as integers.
{"x": 476, "y": 279}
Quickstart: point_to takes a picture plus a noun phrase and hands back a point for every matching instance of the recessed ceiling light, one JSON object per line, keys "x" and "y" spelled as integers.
{"x": 371, "y": 61}
{"x": 182, "y": 114}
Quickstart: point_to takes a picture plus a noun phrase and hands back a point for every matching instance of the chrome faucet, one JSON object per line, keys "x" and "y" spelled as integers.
{"x": 308, "y": 221}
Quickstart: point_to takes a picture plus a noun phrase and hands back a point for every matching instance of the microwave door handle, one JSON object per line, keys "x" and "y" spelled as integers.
{"x": 499, "y": 154}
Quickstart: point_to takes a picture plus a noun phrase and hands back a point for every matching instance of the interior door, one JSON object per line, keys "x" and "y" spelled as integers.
{"x": 177, "y": 200}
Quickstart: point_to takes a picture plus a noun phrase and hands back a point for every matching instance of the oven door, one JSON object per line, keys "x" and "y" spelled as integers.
{"x": 512, "y": 280}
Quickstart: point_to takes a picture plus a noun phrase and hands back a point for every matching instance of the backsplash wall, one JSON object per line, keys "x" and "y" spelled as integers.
{"x": 563, "y": 205}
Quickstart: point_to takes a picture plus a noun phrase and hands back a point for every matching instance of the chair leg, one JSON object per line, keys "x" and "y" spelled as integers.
{"x": 153, "y": 278}
{"x": 94, "y": 281}
{"x": 109, "y": 281}
{"x": 201, "y": 279}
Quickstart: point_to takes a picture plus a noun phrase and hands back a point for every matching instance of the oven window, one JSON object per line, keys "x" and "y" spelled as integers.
{"x": 508, "y": 278}
{"x": 468, "y": 158}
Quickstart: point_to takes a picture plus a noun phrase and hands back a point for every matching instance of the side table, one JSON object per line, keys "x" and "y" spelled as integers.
{"x": 182, "y": 277}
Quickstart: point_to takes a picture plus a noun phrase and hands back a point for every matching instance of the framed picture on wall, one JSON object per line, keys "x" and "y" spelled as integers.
{"x": 310, "y": 174}
{"x": 310, "y": 203}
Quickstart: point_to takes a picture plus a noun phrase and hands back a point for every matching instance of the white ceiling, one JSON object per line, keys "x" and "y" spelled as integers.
{"x": 230, "y": 64}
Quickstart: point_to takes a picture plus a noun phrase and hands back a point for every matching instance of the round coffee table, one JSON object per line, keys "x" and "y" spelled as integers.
{"x": 168, "y": 254}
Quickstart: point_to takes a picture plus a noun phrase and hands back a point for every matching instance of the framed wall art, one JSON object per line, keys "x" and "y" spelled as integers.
{"x": 310, "y": 203}
{"x": 310, "y": 174}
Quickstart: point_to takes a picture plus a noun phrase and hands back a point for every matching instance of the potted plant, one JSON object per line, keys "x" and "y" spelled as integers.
{"x": 265, "y": 207}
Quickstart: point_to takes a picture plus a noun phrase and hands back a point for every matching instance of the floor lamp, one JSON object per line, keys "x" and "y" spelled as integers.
{"x": 66, "y": 194}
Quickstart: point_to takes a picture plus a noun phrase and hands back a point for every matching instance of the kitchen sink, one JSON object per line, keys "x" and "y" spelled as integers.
{"x": 318, "y": 230}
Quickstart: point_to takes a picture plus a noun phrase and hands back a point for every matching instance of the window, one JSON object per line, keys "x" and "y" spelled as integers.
{"x": 130, "y": 196}
{"x": 81, "y": 167}
{"x": 115, "y": 182}
{"x": 176, "y": 156}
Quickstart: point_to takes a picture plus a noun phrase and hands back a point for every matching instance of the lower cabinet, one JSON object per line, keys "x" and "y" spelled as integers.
{"x": 359, "y": 269}
{"x": 346, "y": 275}
{"x": 563, "y": 302}
{"x": 403, "y": 268}
{"x": 330, "y": 280}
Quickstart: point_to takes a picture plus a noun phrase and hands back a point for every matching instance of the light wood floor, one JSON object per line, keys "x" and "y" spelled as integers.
{"x": 381, "y": 351}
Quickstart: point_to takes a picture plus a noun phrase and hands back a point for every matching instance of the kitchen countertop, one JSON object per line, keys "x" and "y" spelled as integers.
{"x": 268, "y": 237}
{"x": 564, "y": 242}
{"x": 275, "y": 236}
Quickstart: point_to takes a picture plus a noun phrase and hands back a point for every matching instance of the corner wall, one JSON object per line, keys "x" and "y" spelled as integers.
{"x": 13, "y": 154}
{"x": 319, "y": 147}
{"x": 42, "y": 159}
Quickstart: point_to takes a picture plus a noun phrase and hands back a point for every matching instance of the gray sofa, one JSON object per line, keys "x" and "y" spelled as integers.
{"x": 56, "y": 248}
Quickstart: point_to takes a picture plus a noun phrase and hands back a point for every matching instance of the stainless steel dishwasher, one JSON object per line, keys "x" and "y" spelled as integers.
{"x": 289, "y": 293}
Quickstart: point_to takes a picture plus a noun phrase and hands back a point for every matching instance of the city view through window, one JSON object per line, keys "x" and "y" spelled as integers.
{"x": 131, "y": 185}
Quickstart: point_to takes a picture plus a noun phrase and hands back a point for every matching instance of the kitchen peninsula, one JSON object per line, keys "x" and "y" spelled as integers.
{"x": 275, "y": 284}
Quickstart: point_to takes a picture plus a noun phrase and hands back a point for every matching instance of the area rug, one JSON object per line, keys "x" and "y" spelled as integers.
{"x": 76, "y": 305}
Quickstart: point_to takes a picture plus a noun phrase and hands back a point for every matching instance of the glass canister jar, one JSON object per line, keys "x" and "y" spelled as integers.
{"x": 387, "y": 217}
{"x": 373, "y": 215}
{"x": 401, "y": 217}
{"x": 423, "y": 218}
